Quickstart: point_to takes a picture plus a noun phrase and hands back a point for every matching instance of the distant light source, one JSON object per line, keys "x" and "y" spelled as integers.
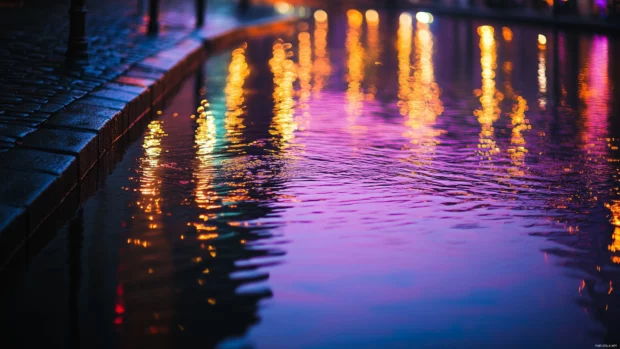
{"x": 282, "y": 7}
{"x": 507, "y": 34}
{"x": 372, "y": 16}
{"x": 485, "y": 29}
{"x": 542, "y": 40}
{"x": 424, "y": 17}
{"x": 320, "y": 16}
{"x": 355, "y": 18}
{"x": 405, "y": 19}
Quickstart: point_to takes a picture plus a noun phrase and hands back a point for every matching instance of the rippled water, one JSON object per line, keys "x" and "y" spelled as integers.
{"x": 362, "y": 181}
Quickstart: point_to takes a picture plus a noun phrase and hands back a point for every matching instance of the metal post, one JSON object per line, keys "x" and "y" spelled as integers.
{"x": 244, "y": 5}
{"x": 77, "y": 50}
{"x": 153, "y": 16}
{"x": 200, "y": 13}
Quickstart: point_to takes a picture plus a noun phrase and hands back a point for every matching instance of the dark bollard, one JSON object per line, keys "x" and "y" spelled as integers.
{"x": 200, "y": 13}
{"x": 77, "y": 51}
{"x": 243, "y": 6}
{"x": 153, "y": 16}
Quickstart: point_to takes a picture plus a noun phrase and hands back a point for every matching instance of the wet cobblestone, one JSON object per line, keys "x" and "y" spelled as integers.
{"x": 34, "y": 79}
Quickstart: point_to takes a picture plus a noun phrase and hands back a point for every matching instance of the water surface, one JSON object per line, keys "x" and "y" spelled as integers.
{"x": 365, "y": 180}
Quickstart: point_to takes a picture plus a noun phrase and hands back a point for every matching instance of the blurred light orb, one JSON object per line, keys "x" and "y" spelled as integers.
{"x": 355, "y": 17}
{"x": 542, "y": 39}
{"x": 303, "y": 12}
{"x": 424, "y": 17}
{"x": 507, "y": 34}
{"x": 405, "y": 19}
{"x": 372, "y": 16}
{"x": 320, "y": 16}
{"x": 282, "y": 7}
{"x": 485, "y": 30}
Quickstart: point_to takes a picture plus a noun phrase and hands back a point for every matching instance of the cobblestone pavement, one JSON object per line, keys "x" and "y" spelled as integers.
{"x": 34, "y": 80}
{"x": 56, "y": 121}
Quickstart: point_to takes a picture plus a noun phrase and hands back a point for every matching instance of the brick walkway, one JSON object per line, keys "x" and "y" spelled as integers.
{"x": 34, "y": 82}
{"x": 57, "y": 122}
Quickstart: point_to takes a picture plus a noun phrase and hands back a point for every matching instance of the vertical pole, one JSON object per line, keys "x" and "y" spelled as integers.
{"x": 244, "y": 5}
{"x": 140, "y": 8}
{"x": 200, "y": 13}
{"x": 153, "y": 16}
{"x": 77, "y": 51}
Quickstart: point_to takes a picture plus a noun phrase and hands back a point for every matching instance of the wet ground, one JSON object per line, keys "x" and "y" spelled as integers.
{"x": 367, "y": 180}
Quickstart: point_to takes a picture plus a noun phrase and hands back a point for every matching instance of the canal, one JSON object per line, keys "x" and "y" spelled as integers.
{"x": 363, "y": 180}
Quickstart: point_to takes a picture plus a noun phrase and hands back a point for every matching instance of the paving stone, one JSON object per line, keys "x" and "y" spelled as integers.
{"x": 82, "y": 144}
{"x": 61, "y": 165}
{"x": 37, "y": 191}
{"x": 144, "y": 72}
{"x": 15, "y": 121}
{"x": 115, "y": 95}
{"x": 13, "y": 231}
{"x": 138, "y": 75}
{"x": 126, "y": 88}
{"x": 14, "y": 131}
{"x": 37, "y": 160}
{"x": 107, "y": 122}
{"x": 102, "y": 102}
{"x": 135, "y": 81}
{"x": 51, "y": 107}
{"x": 159, "y": 63}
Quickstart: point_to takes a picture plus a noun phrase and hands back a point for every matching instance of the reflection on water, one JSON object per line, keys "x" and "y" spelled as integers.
{"x": 373, "y": 42}
{"x": 322, "y": 64}
{"x": 238, "y": 71}
{"x": 341, "y": 186}
{"x": 518, "y": 120}
{"x": 284, "y": 76}
{"x": 490, "y": 98}
{"x": 355, "y": 63}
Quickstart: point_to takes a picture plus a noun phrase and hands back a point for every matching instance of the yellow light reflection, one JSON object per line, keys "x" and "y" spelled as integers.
{"x": 355, "y": 63}
{"x": 374, "y": 51}
{"x": 283, "y": 125}
{"x": 418, "y": 94}
{"x": 404, "y": 46}
{"x": 542, "y": 74}
{"x": 424, "y": 104}
{"x": 205, "y": 138}
{"x": 322, "y": 65}
{"x": 519, "y": 123}
{"x": 305, "y": 76}
{"x": 150, "y": 200}
{"x": 238, "y": 71}
{"x": 614, "y": 247}
{"x": 489, "y": 96}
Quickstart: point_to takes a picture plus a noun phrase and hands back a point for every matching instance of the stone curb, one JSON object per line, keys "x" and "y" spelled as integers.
{"x": 51, "y": 164}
